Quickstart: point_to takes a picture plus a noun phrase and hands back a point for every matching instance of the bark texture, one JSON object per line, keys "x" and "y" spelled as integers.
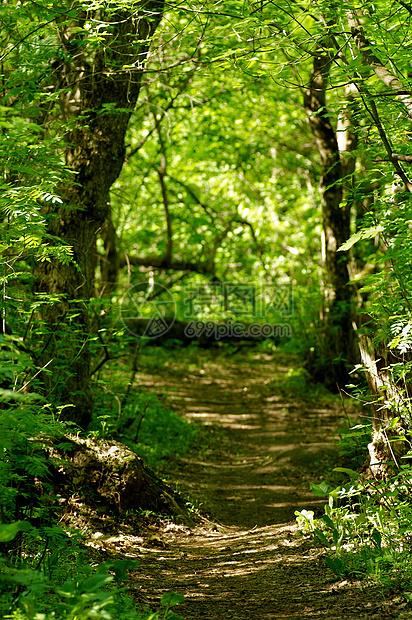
{"x": 385, "y": 449}
{"x": 109, "y": 477}
{"x": 336, "y": 218}
{"x": 99, "y": 88}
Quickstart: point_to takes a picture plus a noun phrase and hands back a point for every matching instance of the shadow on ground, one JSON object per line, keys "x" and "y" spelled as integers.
{"x": 246, "y": 560}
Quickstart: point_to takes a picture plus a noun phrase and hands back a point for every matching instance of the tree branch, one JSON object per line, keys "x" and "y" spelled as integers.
{"x": 385, "y": 141}
{"x": 388, "y": 78}
{"x": 192, "y": 194}
{"x": 161, "y": 173}
{"x": 240, "y": 220}
{"x": 158, "y": 122}
{"x": 400, "y": 157}
{"x": 405, "y": 6}
{"x": 373, "y": 110}
{"x": 158, "y": 262}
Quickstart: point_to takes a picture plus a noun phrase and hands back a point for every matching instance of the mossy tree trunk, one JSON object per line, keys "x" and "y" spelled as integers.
{"x": 98, "y": 87}
{"x": 386, "y": 447}
{"x": 110, "y": 478}
{"x": 335, "y": 219}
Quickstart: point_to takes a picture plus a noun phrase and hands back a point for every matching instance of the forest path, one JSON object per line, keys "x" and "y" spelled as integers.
{"x": 248, "y": 562}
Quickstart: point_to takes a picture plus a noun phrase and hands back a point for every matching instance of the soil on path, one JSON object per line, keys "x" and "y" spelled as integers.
{"x": 247, "y": 561}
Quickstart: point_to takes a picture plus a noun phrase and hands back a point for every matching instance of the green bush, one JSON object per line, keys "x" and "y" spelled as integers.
{"x": 366, "y": 527}
{"x": 157, "y": 432}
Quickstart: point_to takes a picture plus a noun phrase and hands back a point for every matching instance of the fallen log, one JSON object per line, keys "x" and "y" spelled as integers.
{"x": 206, "y": 333}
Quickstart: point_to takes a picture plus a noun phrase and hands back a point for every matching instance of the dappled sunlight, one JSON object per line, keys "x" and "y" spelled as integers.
{"x": 251, "y": 470}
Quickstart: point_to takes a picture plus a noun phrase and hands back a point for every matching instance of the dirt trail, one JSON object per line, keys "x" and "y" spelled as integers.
{"x": 268, "y": 448}
{"x": 248, "y": 562}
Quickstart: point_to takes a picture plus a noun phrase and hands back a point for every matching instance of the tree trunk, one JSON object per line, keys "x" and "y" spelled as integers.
{"x": 92, "y": 86}
{"x": 386, "y": 448}
{"x": 109, "y": 263}
{"x": 336, "y": 221}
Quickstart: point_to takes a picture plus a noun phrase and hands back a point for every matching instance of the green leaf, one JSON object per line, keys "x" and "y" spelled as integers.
{"x": 350, "y": 472}
{"x": 328, "y": 521}
{"x": 320, "y": 490}
{"x": 336, "y": 565}
{"x": 319, "y": 534}
{"x": 119, "y": 567}
{"x": 172, "y": 598}
{"x": 368, "y": 233}
{"x": 95, "y": 582}
{"x": 9, "y": 532}
{"x": 67, "y": 589}
{"x": 377, "y": 540}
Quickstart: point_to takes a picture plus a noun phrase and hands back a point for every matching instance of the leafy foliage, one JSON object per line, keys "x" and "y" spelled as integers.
{"x": 148, "y": 426}
{"x": 366, "y": 525}
{"x": 299, "y": 383}
{"x": 223, "y": 181}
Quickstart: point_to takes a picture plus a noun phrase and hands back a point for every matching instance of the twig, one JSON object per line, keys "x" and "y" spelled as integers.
{"x": 133, "y": 375}
{"x": 34, "y": 376}
{"x": 107, "y": 358}
{"x": 141, "y": 419}
{"x": 390, "y": 448}
{"x": 192, "y": 194}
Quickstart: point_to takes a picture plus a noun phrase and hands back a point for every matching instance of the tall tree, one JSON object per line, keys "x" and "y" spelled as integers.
{"x": 98, "y": 90}
{"x": 97, "y": 57}
{"x": 335, "y": 218}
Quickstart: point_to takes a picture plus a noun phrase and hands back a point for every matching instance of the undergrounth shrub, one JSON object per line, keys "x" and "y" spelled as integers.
{"x": 366, "y": 527}
{"x": 148, "y": 427}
